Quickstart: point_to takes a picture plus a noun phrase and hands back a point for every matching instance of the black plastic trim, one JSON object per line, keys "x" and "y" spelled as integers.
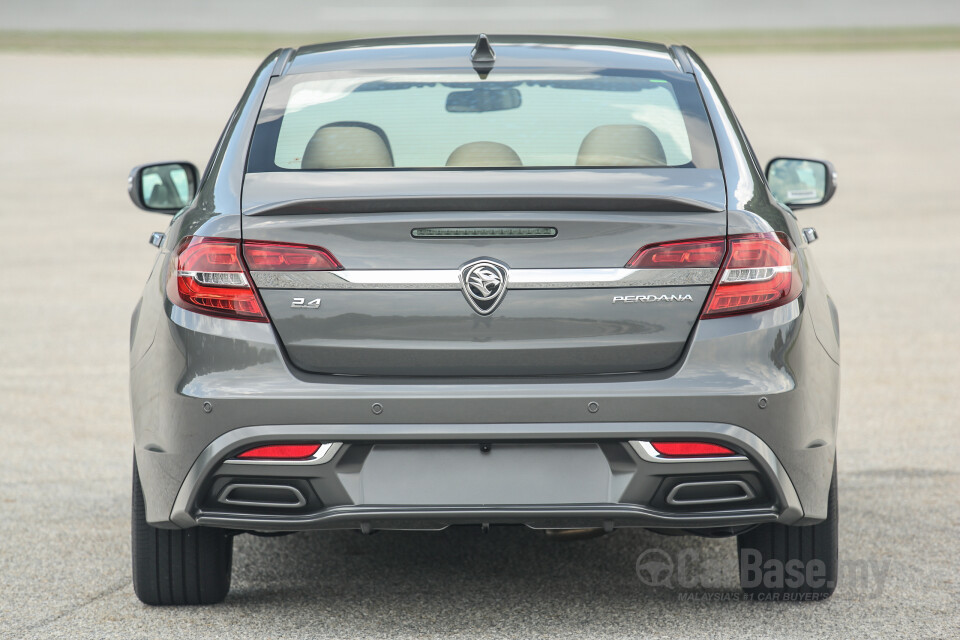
{"x": 284, "y": 59}
{"x": 679, "y": 53}
{"x": 536, "y": 517}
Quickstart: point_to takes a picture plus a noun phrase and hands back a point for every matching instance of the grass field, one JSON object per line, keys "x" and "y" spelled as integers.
{"x": 704, "y": 41}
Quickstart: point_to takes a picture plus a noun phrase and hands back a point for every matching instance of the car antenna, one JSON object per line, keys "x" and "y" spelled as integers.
{"x": 482, "y": 56}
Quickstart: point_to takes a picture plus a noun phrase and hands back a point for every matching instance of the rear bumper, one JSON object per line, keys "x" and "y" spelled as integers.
{"x": 542, "y": 476}
{"x": 573, "y": 516}
{"x": 204, "y": 387}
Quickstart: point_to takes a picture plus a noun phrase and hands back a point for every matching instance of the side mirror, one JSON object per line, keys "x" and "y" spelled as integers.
{"x": 800, "y": 182}
{"x": 164, "y": 187}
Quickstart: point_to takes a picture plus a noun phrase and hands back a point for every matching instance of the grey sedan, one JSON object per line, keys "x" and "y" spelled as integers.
{"x": 517, "y": 280}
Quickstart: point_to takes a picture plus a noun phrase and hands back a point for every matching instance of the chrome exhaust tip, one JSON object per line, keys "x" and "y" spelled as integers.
{"x": 262, "y": 495}
{"x": 710, "y": 492}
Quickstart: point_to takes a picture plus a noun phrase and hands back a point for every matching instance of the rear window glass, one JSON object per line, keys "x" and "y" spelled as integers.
{"x": 455, "y": 120}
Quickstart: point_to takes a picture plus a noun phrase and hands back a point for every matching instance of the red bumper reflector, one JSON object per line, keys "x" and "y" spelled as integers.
{"x": 280, "y": 452}
{"x": 692, "y": 450}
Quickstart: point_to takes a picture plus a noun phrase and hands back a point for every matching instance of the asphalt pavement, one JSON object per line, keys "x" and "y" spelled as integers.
{"x": 74, "y": 256}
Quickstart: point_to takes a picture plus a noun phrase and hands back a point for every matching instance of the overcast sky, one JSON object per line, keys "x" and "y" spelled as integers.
{"x": 469, "y": 16}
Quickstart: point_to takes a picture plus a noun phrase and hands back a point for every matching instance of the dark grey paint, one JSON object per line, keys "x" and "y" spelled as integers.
{"x": 435, "y": 333}
{"x": 316, "y": 192}
{"x": 215, "y": 211}
{"x": 730, "y": 363}
{"x": 180, "y": 359}
{"x": 533, "y": 332}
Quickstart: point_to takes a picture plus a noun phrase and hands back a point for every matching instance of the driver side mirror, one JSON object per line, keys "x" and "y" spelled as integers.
{"x": 164, "y": 187}
{"x": 800, "y": 182}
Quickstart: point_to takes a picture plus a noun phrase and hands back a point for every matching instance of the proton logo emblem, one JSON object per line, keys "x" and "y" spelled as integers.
{"x": 483, "y": 282}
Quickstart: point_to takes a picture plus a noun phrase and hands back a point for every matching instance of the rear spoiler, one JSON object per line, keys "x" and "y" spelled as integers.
{"x": 418, "y": 203}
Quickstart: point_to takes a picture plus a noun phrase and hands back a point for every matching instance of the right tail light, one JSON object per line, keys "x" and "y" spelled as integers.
{"x": 759, "y": 272}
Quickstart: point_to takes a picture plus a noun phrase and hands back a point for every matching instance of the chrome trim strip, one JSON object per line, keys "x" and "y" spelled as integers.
{"x": 753, "y": 274}
{"x": 224, "y": 496}
{"x": 748, "y": 493}
{"x": 323, "y": 455}
{"x": 414, "y": 280}
{"x": 449, "y": 279}
{"x": 646, "y": 451}
{"x": 604, "y": 278}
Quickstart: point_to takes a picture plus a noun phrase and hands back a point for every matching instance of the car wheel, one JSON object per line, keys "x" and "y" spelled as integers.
{"x": 177, "y": 566}
{"x": 779, "y": 562}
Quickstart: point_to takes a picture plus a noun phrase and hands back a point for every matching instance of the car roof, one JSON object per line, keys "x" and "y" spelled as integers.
{"x": 453, "y": 52}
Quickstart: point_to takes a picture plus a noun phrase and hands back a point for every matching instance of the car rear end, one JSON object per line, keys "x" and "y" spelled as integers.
{"x": 434, "y": 310}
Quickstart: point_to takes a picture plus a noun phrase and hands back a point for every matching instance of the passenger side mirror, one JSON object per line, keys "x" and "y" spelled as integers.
{"x": 800, "y": 182}
{"x": 164, "y": 187}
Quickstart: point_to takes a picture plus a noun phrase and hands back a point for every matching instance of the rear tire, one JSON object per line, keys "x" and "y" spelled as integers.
{"x": 780, "y": 562}
{"x": 177, "y": 566}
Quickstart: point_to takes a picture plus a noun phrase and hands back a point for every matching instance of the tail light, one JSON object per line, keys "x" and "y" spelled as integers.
{"x": 210, "y": 276}
{"x": 759, "y": 273}
{"x": 275, "y": 256}
{"x": 688, "y": 254}
{"x": 691, "y": 450}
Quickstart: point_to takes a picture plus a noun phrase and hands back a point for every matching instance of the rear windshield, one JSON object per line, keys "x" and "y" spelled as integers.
{"x": 455, "y": 120}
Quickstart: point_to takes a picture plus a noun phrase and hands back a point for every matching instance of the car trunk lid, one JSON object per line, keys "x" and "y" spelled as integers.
{"x": 421, "y": 251}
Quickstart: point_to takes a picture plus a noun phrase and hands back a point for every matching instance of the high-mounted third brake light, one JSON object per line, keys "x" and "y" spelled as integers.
{"x": 209, "y": 275}
{"x": 759, "y": 273}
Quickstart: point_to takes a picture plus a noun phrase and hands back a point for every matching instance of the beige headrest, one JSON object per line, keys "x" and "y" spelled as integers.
{"x": 622, "y": 145}
{"x": 347, "y": 146}
{"x": 484, "y": 154}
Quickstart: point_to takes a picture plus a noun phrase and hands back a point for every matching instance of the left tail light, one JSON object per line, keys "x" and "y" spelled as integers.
{"x": 210, "y": 278}
{"x": 210, "y": 275}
